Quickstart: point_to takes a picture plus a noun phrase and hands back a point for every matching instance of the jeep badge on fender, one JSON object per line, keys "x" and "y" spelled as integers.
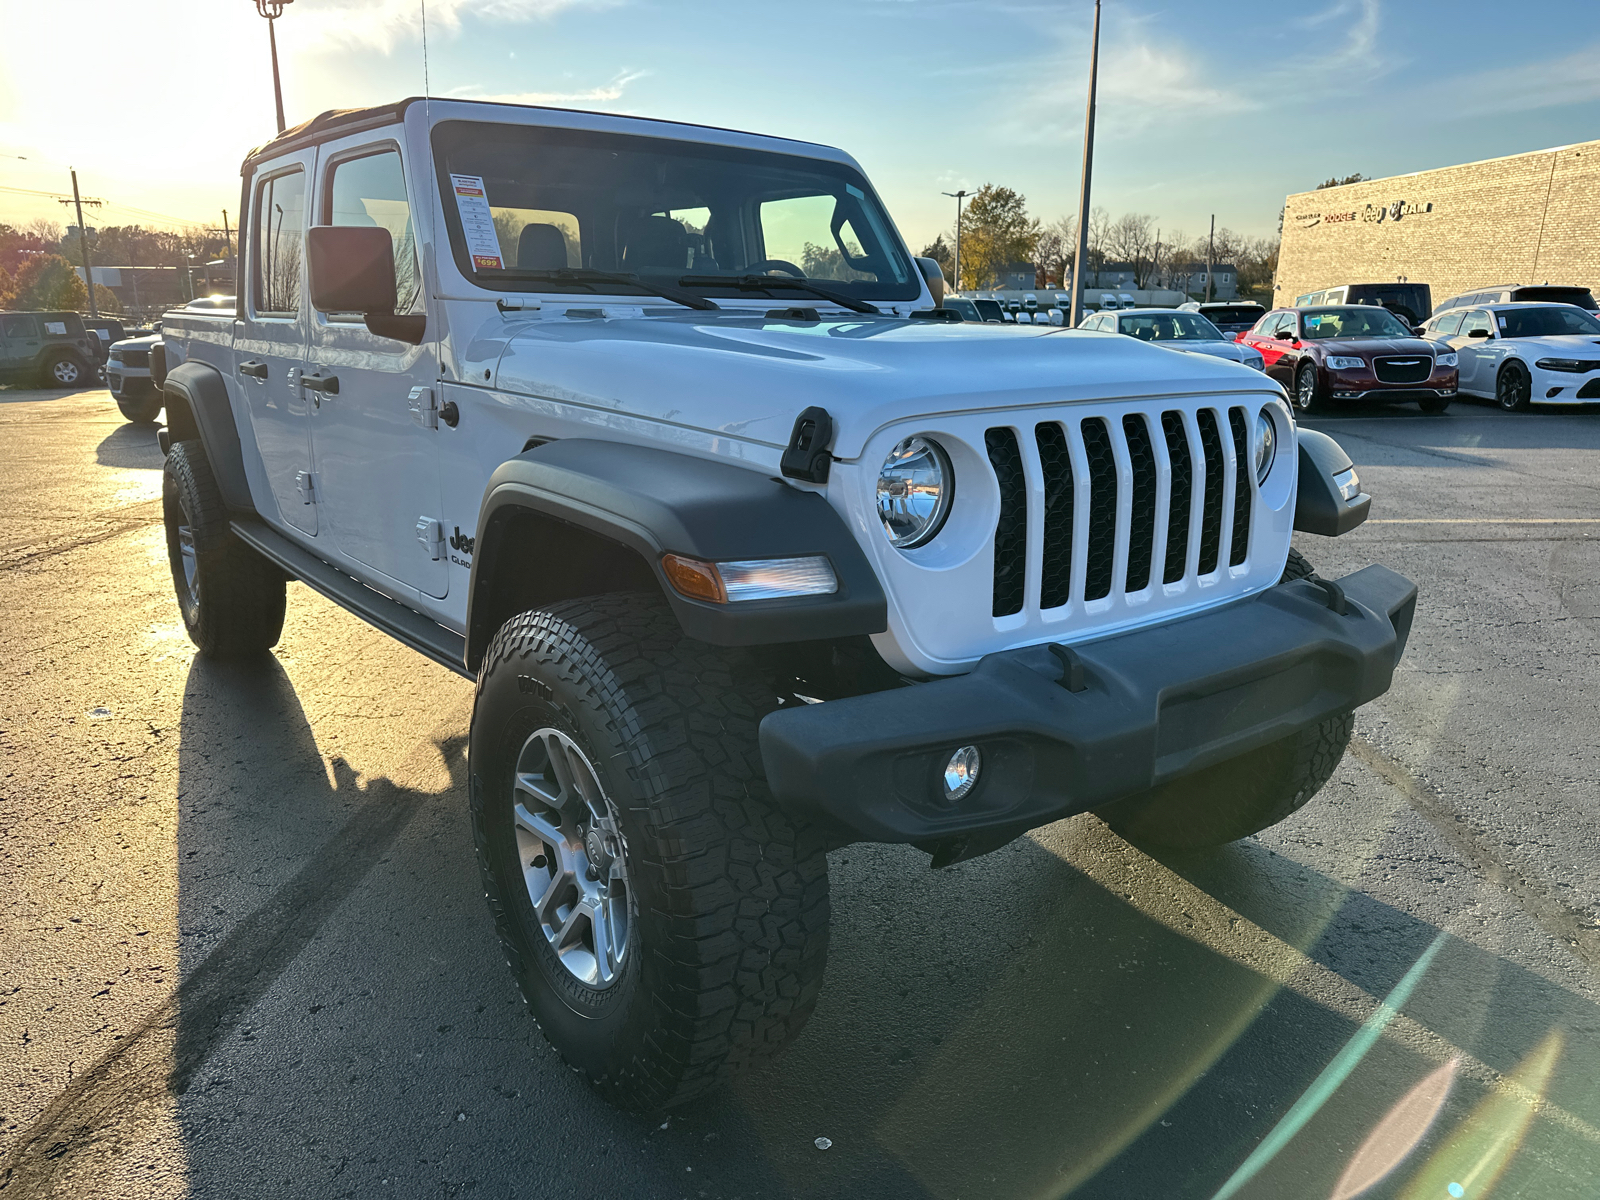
{"x": 768, "y": 566}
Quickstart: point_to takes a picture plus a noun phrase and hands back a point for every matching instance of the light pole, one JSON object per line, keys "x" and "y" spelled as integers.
{"x": 958, "y": 197}
{"x": 1082, "y": 252}
{"x": 272, "y": 10}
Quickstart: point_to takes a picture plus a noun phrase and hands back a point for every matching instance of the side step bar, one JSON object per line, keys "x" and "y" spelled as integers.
{"x": 423, "y": 635}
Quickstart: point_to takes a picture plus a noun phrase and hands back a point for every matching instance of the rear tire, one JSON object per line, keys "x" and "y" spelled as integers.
{"x": 63, "y": 370}
{"x": 717, "y": 959}
{"x": 1243, "y": 795}
{"x": 232, "y": 599}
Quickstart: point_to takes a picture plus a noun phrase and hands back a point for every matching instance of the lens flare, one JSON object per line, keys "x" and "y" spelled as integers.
{"x": 1397, "y": 1134}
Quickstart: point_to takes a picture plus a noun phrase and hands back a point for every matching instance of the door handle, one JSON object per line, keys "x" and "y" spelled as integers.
{"x": 328, "y": 385}
{"x": 255, "y": 370}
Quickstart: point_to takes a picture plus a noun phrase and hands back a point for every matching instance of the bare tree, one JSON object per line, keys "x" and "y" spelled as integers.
{"x": 1058, "y": 245}
{"x": 45, "y": 230}
{"x": 1131, "y": 238}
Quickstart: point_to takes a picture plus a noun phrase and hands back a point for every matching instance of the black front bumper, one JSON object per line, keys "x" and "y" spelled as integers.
{"x": 1156, "y": 704}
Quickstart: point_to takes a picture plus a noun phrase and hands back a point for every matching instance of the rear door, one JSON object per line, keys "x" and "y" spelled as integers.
{"x": 1474, "y": 357}
{"x": 270, "y": 346}
{"x": 377, "y": 463}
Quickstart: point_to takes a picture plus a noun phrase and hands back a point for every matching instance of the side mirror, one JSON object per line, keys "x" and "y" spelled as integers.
{"x": 1478, "y": 333}
{"x": 351, "y": 269}
{"x": 933, "y": 276}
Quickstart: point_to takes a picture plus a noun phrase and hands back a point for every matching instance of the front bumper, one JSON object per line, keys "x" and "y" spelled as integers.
{"x": 1158, "y": 704}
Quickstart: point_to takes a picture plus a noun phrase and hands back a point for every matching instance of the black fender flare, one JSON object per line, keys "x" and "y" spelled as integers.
{"x": 197, "y": 405}
{"x": 655, "y": 502}
{"x": 1318, "y": 506}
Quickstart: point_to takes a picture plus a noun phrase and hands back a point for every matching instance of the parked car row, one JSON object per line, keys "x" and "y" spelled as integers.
{"x": 1174, "y": 329}
{"x": 1522, "y": 353}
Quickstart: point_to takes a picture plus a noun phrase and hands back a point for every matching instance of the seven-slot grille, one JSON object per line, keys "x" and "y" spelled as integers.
{"x": 132, "y": 358}
{"x": 1188, "y": 494}
{"x": 1410, "y": 368}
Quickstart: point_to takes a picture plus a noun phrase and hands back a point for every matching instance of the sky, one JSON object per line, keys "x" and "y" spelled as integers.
{"x": 1204, "y": 108}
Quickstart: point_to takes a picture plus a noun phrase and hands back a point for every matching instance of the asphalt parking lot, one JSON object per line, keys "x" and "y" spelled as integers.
{"x": 243, "y": 949}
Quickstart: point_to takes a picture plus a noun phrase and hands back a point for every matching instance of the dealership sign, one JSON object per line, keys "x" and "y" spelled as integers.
{"x": 1372, "y": 214}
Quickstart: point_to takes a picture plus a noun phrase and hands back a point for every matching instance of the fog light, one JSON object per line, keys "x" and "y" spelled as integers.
{"x": 961, "y": 772}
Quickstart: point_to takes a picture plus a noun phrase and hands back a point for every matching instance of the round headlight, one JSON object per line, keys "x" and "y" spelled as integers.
{"x": 915, "y": 487}
{"x": 1266, "y": 445}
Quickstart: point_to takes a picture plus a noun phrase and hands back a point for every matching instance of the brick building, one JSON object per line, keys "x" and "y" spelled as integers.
{"x": 1529, "y": 218}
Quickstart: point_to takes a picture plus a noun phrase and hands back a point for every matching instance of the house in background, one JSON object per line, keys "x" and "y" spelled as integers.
{"x": 1191, "y": 278}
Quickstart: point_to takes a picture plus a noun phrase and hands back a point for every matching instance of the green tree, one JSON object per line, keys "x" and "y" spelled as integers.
{"x": 1335, "y": 181}
{"x": 939, "y": 250}
{"x": 995, "y": 232}
{"x": 47, "y": 281}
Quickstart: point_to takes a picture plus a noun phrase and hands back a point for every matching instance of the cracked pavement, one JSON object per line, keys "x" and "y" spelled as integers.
{"x": 244, "y": 952}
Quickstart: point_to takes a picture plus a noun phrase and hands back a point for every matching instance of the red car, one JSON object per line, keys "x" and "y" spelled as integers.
{"x": 1343, "y": 354}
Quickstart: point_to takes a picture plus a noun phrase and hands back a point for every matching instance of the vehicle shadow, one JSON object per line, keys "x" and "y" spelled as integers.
{"x": 130, "y": 446}
{"x": 1066, "y": 1015}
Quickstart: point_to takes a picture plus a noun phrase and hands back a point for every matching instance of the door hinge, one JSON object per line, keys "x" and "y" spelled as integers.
{"x": 424, "y": 409}
{"x": 430, "y": 532}
{"x": 306, "y": 484}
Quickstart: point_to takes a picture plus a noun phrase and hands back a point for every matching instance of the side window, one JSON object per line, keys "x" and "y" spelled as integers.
{"x": 20, "y": 327}
{"x": 1448, "y": 324}
{"x": 370, "y": 191}
{"x": 1476, "y": 320}
{"x": 278, "y": 240}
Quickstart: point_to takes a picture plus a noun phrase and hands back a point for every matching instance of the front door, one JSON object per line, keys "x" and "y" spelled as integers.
{"x": 20, "y": 344}
{"x": 269, "y": 353}
{"x": 377, "y": 459}
{"x": 1474, "y": 359}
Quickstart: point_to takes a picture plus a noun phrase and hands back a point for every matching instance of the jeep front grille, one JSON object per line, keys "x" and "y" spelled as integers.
{"x": 1119, "y": 491}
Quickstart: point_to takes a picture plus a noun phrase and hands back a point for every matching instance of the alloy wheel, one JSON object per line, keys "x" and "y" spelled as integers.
{"x": 1512, "y": 388}
{"x": 573, "y": 858}
{"x": 64, "y": 371}
{"x": 1305, "y": 390}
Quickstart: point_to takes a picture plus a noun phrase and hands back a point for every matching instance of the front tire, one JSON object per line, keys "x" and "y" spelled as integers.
{"x": 1433, "y": 404}
{"x": 1307, "y": 391}
{"x": 142, "y": 408}
{"x": 667, "y": 924}
{"x": 1513, "y": 388}
{"x": 232, "y": 599}
{"x": 1243, "y": 795}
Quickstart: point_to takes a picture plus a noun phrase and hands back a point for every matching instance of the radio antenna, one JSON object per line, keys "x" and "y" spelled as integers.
{"x": 425, "y": 91}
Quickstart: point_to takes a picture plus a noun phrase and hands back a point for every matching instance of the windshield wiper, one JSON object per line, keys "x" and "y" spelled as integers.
{"x": 757, "y": 283}
{"x": 585, "y": 277}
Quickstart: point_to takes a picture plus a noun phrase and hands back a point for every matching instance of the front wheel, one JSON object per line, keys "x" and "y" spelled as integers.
{"x": 1307, "y": 394}
{"x": 1513, "y": 389}
{"x": 1434, "y": 404}
{"x": 666, "y": 923}
{"x": 140, "y": 409}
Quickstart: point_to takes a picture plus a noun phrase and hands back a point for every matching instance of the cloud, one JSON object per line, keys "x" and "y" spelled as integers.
{"x": 604, "y": 94}
{"x": 382, "y": 24}
{"x": 1571, "y": 79}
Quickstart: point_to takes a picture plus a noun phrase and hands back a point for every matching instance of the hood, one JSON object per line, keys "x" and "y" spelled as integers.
{"x": 1370, "y": 346}
{"x": 138, "y": 343}
{"x": 1232, "y": 351}
{"x": 749, "y": 377}
{"x": 1585, "y": 345}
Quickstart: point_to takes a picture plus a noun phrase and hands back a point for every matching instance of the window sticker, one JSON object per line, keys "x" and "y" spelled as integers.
{"x": 477, "y": 223}
{"x": 1502, "y": 317}
{"x": 56, "y": 327}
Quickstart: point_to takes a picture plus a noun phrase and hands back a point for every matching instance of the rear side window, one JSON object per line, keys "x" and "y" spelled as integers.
{"x": 280, "y": 229}
{"x": 19, "y": 327}
{"x": 370, "y": 191}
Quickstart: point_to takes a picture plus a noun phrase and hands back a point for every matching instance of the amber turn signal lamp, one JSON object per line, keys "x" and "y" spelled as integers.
{"x": 695, "y": 579}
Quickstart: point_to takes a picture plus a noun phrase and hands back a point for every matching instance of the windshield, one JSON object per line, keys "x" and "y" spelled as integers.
{"x": 1170, "y": 327}
{"x": 1544, "y": 322}
{"x": 1359, "y": 321}
{"x": 522, "y": 201}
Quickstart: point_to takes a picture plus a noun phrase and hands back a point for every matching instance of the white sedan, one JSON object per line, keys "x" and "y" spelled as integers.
{"x": 1176, "y": 330}
{"x": 1524, "y": 353}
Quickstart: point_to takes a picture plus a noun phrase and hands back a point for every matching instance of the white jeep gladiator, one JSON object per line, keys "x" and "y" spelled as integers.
{"x": 651, "y": 430}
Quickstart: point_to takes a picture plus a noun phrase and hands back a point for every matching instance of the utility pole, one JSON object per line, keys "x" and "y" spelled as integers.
{"x": 1081, "y": 256}
{"x": 83, "y": 244}
{"x": 959, "y": 196}
{"x": 1211, "y": 246}
{"x": 272, "y": 10}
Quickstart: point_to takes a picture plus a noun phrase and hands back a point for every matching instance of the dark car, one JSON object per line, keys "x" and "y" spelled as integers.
{"x": 1511, "y": 293}
{"x": 46, "y": 349}
{"x": 1412, "y": 302}
{"x": 991, "y": 311}
{"x": 105, "y": 331}
{"x": 1232, "y": 318}
{"x": 1351, "y": 353}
